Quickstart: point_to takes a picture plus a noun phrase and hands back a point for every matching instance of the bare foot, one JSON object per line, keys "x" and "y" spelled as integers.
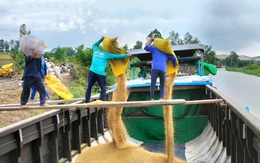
{"x": 45, "y": 104}
{"x": 24, "y": 106}
{"x": 152, "y": 99}
{"x": 161, "y": 98}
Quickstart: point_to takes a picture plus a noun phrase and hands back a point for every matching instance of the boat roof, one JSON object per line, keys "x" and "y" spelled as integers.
{"x": 187, "y": 50}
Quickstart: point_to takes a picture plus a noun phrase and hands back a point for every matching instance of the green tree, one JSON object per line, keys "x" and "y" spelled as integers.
{"x": 174, "y": 38}
{"x": 48, "y": 54}
{"x": 23, "y": 30}
{"x": 83, "y": 58}
{"x": 2, "y": 45}
{"x": 16, "y": 45}
{"x": 125, "y": 47}
{"x": 155, "y": 33}
{"x": 70, "y": 51}
{"x": 11, "y": 44}
{"x": 189, "y": 39}
{"x": 18, "y": 58}
{"x": 232, "y": 60}
{"x": 6, "y": 46}
{"x": 60, "y": 54}
{"x": 138, "y": 45}
{"x": 210, "y": 57}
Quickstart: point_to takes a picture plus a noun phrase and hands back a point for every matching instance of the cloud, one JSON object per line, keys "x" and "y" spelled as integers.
{"x": 252, "y": 49}
{"x": 231, "y": 26}
{"x": 225, "y": 25}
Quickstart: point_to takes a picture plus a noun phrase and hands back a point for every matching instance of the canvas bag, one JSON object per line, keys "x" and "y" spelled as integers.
{"x": 118, "y": 66}
{"x": 165, "y": 46}
{"x": 30, "y": 43}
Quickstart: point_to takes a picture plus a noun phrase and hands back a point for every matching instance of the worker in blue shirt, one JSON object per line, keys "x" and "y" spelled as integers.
{"x": 159, "y": 64}
{"x": 97, "y": 69}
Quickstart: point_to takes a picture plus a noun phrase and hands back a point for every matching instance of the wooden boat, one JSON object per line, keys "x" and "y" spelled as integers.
{"x": 209, "y": 127}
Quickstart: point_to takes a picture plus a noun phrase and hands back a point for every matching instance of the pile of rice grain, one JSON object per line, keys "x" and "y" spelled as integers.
{"x": 108, "y": 153}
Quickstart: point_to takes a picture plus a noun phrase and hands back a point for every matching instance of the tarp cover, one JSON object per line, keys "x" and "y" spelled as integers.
{"x": 188, "y": 124}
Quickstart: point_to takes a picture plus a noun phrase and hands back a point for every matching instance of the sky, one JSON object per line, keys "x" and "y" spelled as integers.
{"x": 226, "y": 25}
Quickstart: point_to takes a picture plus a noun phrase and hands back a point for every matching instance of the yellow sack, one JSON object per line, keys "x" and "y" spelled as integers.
{"x": 6, "y": 68}
{"x": 118, "y": 66}
{"x": 58, "y": 87}
{"x": 165, "y": 46}
{"x": 7, "y": 65}
{"x": 171, "y": 69}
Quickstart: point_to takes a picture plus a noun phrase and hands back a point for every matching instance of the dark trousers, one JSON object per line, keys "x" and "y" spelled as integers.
{"x": 92, "y": 78}
{"x": 154, "y": 75}
{"x": 34, "y": 92}
{"x": 39, "y": 86}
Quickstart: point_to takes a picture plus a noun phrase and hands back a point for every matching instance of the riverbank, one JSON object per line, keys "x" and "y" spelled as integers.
{"x": 255, "y": 71}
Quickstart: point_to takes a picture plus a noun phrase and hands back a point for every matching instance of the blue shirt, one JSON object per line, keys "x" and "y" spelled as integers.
{"x": 44, "y": 66}
{"x": 100, "y": 59}
{"x": 159, "y": 58}
{"x": 33, "y": 67}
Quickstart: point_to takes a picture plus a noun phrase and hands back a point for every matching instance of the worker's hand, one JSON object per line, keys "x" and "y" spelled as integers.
{"x": 44, "y": 80}
{"x": 34, "y": 53}
{"x": 150, "y": 41}
{"x": 129, "y": 54}
{"x": 102, "y": 38}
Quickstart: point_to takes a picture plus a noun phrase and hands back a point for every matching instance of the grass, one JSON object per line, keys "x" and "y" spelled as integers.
{"x": 255, "y": 72}
{"x": 5, "y": 58}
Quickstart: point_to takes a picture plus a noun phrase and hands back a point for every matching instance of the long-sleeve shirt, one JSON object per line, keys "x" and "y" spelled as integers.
{"x": 44, "y": 66}
{"x": 159, "y": 58}
{"x": 33, "y": 67}
{"x": 100, "y": 59}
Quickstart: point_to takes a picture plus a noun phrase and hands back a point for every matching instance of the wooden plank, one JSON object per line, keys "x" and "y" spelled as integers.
{"x": 49, "y": 102}
{"x": 76, "y": 100}
{"x": 107, "y": 104}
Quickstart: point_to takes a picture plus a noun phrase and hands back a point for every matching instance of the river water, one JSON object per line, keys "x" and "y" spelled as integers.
{"x": 241, "y": 88}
